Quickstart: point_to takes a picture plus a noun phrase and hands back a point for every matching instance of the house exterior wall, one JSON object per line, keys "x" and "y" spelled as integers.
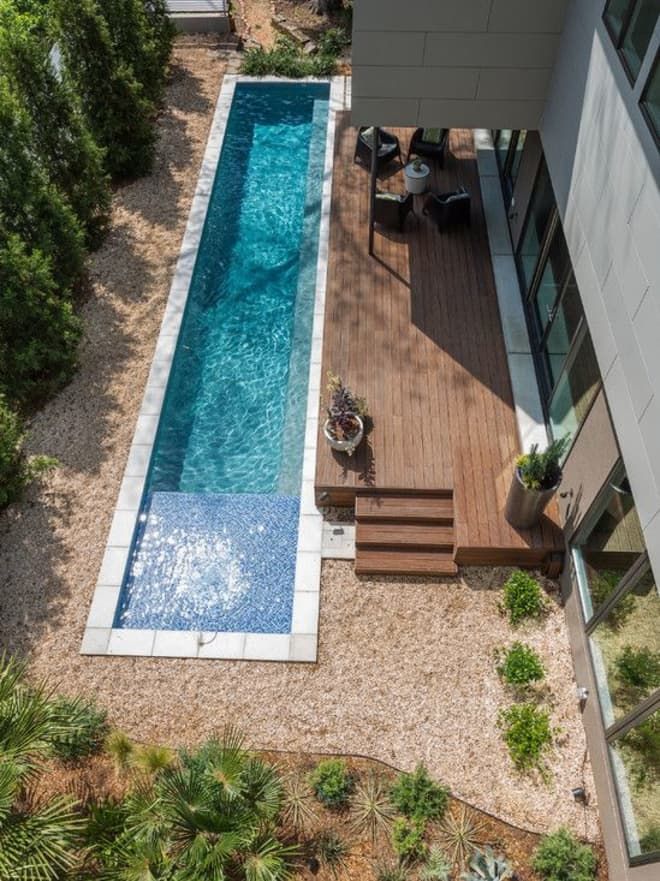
{"x": 605, "y": 169}
{"x": 458, "y": 63}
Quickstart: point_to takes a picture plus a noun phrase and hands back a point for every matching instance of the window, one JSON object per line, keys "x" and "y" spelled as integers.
{"x": 650, "y": 102}
{"x": 541, "y": 210}
{"x": 622, "y": 620}
{"x": 509, "y": 145}
{"x": 575, "y": 389}
{"x": 631, "y": 24}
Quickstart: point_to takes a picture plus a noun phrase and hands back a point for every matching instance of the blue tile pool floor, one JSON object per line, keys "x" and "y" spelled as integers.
{"x": 221, "y": 562}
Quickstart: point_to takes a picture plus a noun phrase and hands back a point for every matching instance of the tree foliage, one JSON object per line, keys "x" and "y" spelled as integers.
{"x": 39, "y": 332}
{"x": 60, "y": 136}
{"x": 118, "y": 110}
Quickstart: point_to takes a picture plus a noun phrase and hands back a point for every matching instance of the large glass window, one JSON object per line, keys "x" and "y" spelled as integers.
{"x": 651, "y": 100}
{"x": 622, "y": 619}
{"x": 541, "y": 211}
{"x": 509, "y": 145}
{"x": 575, "y": 390}
{"x": 631, "y": 24}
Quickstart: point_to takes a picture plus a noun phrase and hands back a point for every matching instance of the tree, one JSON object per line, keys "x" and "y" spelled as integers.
{"x": 31, "y": 205}
{"x": 212, "y": 816}
{"x": 37, "y": 842}
{"x": 118, "y": 111}
{"x": 61, "y": 137}
{"x": 39, "y": 332}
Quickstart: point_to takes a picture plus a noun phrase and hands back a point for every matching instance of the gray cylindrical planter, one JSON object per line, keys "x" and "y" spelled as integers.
{"x": 345, "y": 446}
{"x": 524, "y": 506}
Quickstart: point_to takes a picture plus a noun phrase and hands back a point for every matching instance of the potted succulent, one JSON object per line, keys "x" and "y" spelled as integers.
{"x": 535, "y": 480}
{"x": 344, "y": 426}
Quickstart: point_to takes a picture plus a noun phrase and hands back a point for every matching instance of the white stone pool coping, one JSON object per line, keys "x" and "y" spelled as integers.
{"x": 100, "y": 637}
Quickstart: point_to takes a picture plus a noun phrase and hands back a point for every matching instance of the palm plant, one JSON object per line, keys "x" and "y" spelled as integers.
{"x": 38, "y": 841}
{"x": 213, "y": 815}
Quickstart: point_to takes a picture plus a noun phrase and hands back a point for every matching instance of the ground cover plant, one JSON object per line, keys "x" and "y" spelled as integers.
{"x": 332, "y": 783}
{"x": 288, "y": 59}
{"x": 561, "y": 857}
{"x": 418, "y": 797}
{"x": 522, "y": 597}
{"x": 527, "y": 733}
{"x": 519, "y": 665}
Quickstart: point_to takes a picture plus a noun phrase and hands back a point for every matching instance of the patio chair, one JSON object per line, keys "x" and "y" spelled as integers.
{"x": 449, "y": 209}
{"x": 430, "y": 143}
{"x": 391, "y": 209}
{"x": 388, "y": 147}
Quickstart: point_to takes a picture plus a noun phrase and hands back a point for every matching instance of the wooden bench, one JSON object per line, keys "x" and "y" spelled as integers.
{"x": 200, "y": 16}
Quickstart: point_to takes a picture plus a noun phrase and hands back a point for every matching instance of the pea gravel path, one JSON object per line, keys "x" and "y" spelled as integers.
{"x": 405, "y": 671}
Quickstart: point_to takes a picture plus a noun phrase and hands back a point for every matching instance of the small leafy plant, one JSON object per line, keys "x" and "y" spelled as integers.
{"x": 418, "y": 797}
{"x": 332, "y": 783}
{"x": 527, "y": 733}
{"x": 343, "y": 407}
{"x": 540, "y": 471}
{"x": 396, "y": 872}
{"x": 437, "y": 866}
{"x": 523, "y": 597}
{"x": 286, "y": 58}
{"x": 408, "y": 839}
{"x": 520, "y": 665}
{"x": 486, "y": 866}
{"x": 561, "y": 857}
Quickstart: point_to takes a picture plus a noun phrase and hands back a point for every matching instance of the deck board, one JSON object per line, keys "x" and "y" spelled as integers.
{"x": 417, "y": 331}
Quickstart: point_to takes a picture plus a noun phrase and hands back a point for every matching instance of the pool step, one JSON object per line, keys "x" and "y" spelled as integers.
{"x": 404, "y": 533}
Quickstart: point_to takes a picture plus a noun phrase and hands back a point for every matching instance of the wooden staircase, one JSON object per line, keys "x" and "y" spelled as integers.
{"x": 404, "y": 533}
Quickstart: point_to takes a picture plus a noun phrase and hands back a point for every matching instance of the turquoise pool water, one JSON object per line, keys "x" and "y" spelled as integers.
{"x": 216, "y": 544}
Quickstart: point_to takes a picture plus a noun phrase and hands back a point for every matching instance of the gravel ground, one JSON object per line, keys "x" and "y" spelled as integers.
{"x": 405, "y": 670}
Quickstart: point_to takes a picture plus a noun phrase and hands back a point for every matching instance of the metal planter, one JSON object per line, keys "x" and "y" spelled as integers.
{"x": 524, "y": 506}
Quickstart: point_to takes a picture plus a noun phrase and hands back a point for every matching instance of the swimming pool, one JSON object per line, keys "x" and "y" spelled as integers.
{"x": 216, "y": 540}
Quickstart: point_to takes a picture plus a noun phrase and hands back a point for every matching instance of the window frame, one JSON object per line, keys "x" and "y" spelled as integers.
{"x": 612, "y": 732}
{"x": 618, "y": 40}
{"x": 655, "y": 71}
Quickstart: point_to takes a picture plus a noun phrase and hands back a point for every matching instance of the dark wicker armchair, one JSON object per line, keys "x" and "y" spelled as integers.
{"x": 449, "y": 209}
{"x": 391, "y": 210}
{"x": 388, "y": 147}
{"x": 431, "y": 149}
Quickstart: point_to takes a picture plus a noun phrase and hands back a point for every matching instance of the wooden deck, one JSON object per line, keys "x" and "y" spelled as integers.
{"x": 417, "y": 332}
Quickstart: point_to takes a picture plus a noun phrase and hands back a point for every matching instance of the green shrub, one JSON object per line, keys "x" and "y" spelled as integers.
{"x": 527, "y": 734}
{"x": 437, "y": 866}
{"x": 119, "y": 113}
{"x": 59, "y": 135}
{"x": 333, "y": 41}
{"x": 287, "y": 59}
{"x": 332, "y": 783}
{"x": 561, "y": 857}
{"x": 31, "y": 206}
{"x": 638, "y": 669}
{"x": 85, "y": 728}
{"x": 16, "y": 471}
{"x": 540, "y": 471}
{"x": 520, "y": 665}
{"x": 408, "y": 839}
{"x": 39, "y": 333}
{"x": 523, "y": 597}
{"x": 418, "y": 797}
{"x": 397, "y": 872}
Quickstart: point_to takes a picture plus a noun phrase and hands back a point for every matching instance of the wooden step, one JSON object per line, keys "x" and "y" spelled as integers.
{"x": 405, "y": 508}
{"x": 404, "y": 562}
{"x": 406, "y": 535}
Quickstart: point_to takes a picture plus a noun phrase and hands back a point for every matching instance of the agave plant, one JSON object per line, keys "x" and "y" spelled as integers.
{"x": 297, "y": 810}
{"x": 38, "y": 841}
{"x": 214, "y": 814}
{"x": 485, "y": 866}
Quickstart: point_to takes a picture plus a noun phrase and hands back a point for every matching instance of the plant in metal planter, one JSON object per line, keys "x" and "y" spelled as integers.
{"x": 535, "y": 480}
{"x": 344, "y": 426}
{"x": 485, "y": 866}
